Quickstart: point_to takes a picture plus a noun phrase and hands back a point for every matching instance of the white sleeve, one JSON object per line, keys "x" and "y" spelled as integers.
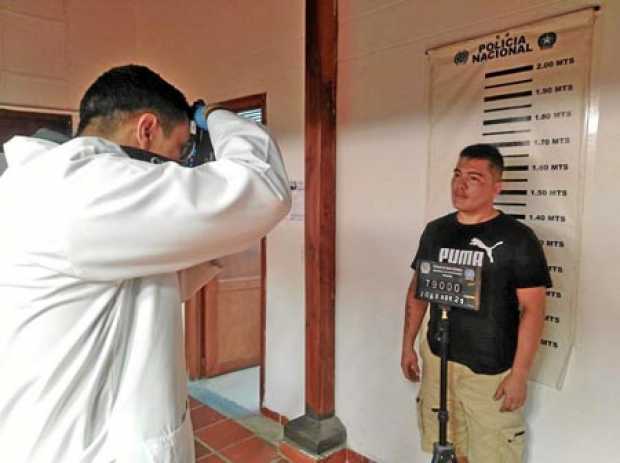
{"x": 194, "y": 278}
{"x": 133, "y": 219}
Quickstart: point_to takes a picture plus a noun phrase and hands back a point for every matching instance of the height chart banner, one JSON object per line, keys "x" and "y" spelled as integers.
{"x": 526, "y": 91}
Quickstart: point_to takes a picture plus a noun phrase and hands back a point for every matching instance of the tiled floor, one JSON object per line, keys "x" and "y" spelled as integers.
{"x": 219, "y": 438}
{"x": 240, "y": 387}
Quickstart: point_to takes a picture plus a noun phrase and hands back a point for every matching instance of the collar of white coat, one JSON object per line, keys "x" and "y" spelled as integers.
{"x": 22, "y": 150}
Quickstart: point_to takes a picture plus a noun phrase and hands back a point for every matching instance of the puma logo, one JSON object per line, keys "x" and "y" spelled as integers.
{"x": 489, "y": 250}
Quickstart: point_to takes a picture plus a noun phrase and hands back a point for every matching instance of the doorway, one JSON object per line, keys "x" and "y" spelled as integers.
{"x": 225, "y": 321}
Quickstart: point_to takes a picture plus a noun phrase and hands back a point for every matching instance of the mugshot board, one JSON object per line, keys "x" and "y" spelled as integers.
{"x": 525, "y": 91}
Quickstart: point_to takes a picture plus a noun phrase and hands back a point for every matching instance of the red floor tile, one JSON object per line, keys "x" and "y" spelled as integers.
{"x": 295, "y": 455}
{"x": 201, "y": 450}
{"x": 204, "y": 416}
{"x": 210, "y": 459}
{"x": 223, "y": 434}
{"x": 338, "y": 457}
{"x": 193, "y": 403}
{"x": 253, "y": 450}
{"x": 354, "y": 457}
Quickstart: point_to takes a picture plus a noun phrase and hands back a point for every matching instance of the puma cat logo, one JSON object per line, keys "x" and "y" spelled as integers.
{"x": 489, "y": 250}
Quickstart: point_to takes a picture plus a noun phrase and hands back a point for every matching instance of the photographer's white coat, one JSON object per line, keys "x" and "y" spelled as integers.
{"x": 95, "y": 249}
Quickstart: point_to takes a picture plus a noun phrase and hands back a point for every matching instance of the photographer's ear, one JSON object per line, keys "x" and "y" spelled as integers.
{"x": 145, "y": 130}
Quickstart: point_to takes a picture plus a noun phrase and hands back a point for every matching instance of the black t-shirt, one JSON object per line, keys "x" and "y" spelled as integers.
{"x": 511, "y": 257}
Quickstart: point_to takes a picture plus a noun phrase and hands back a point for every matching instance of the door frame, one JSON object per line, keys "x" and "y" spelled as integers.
{"x": 195, "y": 313}
{"x": 258, "y": 100}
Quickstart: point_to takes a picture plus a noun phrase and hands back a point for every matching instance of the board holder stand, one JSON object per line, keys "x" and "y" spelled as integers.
{"x": 446, "y": 286}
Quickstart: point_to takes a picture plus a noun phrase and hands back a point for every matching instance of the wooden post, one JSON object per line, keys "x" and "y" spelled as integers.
{"x": 319, "y": 430}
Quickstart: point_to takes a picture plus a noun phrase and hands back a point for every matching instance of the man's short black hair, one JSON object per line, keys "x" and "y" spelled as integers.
{"x": 124, "y": 90}
{"x": 485, "y": 151}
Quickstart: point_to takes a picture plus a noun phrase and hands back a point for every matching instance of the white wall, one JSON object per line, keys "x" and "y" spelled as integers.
{"x": 33, "y": 75}
{"x": 50, "y": 50}
{"x": 100, "y": 34}
{"x": 382, "y": 162}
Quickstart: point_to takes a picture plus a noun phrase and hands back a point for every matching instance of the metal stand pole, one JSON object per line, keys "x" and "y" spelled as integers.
{"x": 443, "y": 451}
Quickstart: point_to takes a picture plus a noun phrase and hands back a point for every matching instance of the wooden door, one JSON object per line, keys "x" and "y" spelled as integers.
{"x": 224, "y": 321}
{"x": 232, "y": 323}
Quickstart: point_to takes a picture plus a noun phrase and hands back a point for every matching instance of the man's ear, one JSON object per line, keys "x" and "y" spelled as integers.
{"x": 145, "y": 130}
{"x": 498, "y": 186}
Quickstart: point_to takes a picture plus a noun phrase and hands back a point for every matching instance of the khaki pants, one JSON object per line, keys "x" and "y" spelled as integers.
{"x": 476, "y": 427}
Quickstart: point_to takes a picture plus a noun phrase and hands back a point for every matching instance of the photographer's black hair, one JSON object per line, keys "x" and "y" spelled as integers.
{"x": 486, "y": 152}
{"x": 124, "y": 90}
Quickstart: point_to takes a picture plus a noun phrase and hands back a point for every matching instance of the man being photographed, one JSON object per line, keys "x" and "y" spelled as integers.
{"x": 491, "y": 351}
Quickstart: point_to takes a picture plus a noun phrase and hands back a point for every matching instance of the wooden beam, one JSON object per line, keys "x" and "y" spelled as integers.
{"x": 320, "y": 430}
{"x": 320, "y": 203}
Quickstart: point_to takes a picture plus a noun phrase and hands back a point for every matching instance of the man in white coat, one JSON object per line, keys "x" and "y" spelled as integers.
{"x": 97, "y": 251}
